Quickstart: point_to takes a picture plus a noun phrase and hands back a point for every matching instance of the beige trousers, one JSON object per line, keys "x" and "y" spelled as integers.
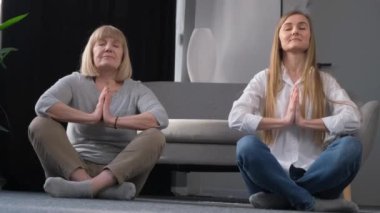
{"x": 59, "y": 158}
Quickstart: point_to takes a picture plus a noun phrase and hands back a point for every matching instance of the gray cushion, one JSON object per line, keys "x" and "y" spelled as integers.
{"x": 201, "y": 131}
{"x": 370, "y": 119}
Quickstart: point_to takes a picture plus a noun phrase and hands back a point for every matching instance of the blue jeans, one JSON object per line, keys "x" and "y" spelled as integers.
{"x": 326, "y": 178}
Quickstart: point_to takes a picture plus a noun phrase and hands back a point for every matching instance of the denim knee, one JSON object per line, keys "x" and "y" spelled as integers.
{"x": 350, "y": 148}
{"x": 353, "y": 145}
{"x": 248, "y": 147}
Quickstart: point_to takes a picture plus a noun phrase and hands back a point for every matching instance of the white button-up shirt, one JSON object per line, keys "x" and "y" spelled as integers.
{"x": 294, "y": 145}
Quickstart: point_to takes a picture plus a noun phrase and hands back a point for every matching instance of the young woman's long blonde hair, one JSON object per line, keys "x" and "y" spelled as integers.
{"x": 313, "y": 94}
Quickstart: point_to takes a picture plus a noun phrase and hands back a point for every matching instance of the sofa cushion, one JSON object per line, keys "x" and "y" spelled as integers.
{"x": 201, "y": 131}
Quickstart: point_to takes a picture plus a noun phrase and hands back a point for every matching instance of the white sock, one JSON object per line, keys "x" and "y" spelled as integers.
{"x": 59, "y": 187}
{"x": 335, "y": 205}
{"x": 124, "y": 191}
{"x": 262, "y": 200}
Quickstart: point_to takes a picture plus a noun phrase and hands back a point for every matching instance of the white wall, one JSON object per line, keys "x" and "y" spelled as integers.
{"x": 243, "y": 31}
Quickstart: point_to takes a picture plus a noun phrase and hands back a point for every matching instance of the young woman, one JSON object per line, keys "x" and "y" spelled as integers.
{"x": 301, "y": 151}
{"x": 100, "y": 153}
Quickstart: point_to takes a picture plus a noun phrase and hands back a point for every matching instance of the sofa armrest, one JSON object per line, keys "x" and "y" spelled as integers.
{"x": 370, "y": 122}
{"x": 208, "y": 131}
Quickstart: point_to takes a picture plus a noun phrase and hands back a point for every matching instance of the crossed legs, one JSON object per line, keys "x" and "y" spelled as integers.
{"x": 265, "y": 177}
{"x": 68, "y": 176}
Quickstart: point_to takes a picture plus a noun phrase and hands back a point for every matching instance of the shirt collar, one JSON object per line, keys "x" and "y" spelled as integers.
{"x": 286, "y": 78}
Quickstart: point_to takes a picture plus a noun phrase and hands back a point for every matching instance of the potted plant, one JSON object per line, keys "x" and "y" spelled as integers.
{"x": 3, "y": 54}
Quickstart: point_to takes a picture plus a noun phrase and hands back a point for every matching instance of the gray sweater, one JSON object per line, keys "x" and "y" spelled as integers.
{"x": 98, "y": 143}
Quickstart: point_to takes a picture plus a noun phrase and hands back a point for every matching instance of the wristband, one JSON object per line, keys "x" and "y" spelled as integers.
{"x": 115, "y": 124}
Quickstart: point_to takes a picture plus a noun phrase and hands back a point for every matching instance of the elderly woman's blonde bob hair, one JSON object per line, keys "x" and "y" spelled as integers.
{"x": 88, "y": 68}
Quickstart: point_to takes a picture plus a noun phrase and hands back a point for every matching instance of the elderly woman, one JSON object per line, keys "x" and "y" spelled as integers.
{"x": 100, "y": 153}
{"x": 307, "y": 152}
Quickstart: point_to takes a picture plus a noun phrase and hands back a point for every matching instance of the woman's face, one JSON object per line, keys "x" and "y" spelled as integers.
{"x": 107, "y": 53}
{"x": 294, "y": 34}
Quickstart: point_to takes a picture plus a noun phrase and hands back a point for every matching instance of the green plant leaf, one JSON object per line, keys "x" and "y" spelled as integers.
{"x": 3, "y": 53}
{"x": 12, "y": 21}
{"x": 3, "y": 129}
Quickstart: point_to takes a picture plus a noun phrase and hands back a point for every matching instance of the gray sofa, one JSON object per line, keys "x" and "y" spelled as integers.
{"x": 198, "y": 133}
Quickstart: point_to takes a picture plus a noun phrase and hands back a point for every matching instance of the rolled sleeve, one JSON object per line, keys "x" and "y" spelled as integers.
{"x": 161, "y": 117}
{"x": 345, "y": 116}
{"x": 60, "y": 92}
{"x": 245, "y": 114}
{"x": 346, "y": 121}
{"x": 148, "y": 102}
{"x": 251, "y": 122}
{"x": 44, "y": 103}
